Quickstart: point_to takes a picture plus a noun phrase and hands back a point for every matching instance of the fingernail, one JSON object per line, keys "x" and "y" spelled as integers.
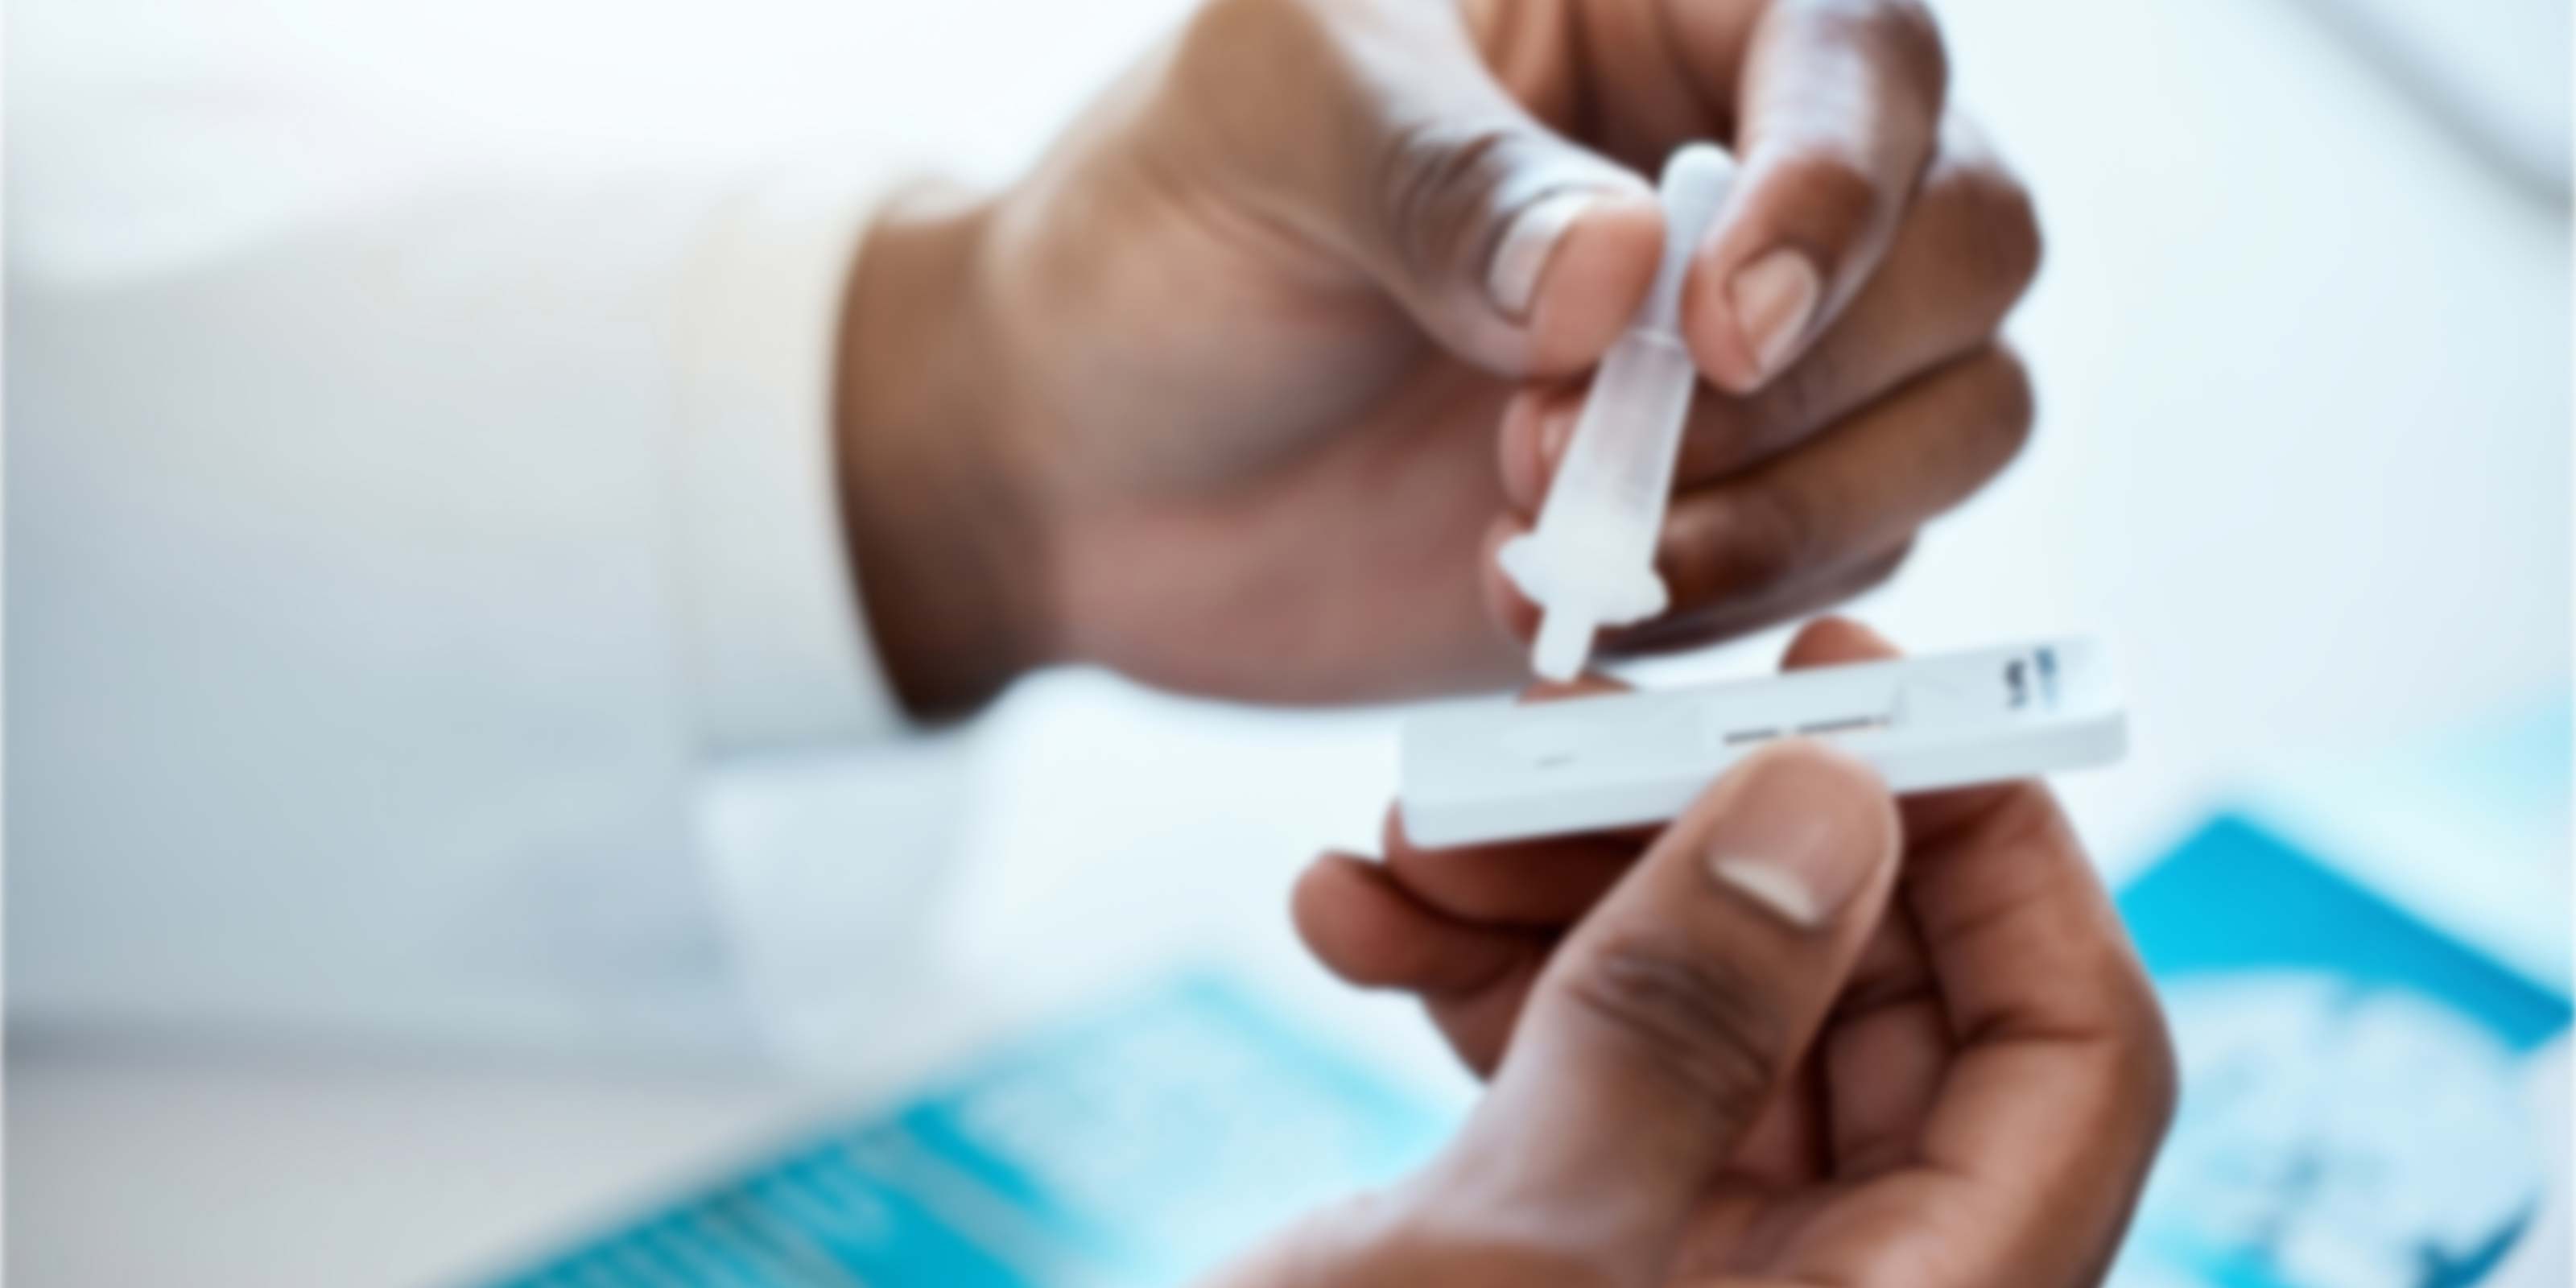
{"x": 1520, "y": 258}
{"x": 1805, "y": 832}
{"x": 1553, "y": 434}
{"x": 1774, "y": 299}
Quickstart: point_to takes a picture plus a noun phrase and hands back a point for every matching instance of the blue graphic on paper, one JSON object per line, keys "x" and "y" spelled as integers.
{"x": 1139, "y": 1146}
{"x": 2353, "y": 1113}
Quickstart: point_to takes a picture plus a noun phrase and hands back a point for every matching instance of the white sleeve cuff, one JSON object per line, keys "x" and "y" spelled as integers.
{"x": 778, "y": 651}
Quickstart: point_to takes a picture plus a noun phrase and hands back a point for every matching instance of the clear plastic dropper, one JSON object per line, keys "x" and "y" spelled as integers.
{"x": 1591, "y": 561}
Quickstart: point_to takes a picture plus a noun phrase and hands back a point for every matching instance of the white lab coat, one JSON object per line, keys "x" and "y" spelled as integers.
{"x": 391, "y": 540}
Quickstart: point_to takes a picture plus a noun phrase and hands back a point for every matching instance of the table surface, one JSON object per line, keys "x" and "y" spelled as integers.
{"x": 2303, "y": 456}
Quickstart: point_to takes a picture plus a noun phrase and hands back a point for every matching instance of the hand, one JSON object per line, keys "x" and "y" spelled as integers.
{"x": 1211, "y": 395}
{"x": 1763, "y": 1050}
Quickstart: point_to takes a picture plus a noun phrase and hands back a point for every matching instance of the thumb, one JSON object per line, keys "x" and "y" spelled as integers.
{"x": 1667, "y": 1022}
{"x": 1515, "y": 248}
{"x": 1838, "y": 114}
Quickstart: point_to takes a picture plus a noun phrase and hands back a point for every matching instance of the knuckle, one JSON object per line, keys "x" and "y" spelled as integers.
{"x": 2140, "y": 1084}
{"x": 1748, "y": 545}
{"x": 2024, "y": 820}
{"x": 1391, "y": 838}
{"x": 1802, "y": 399}
{"x": 1831, "y": 200}
{"x": 1912, "y": 37}
{"x": 1988, "y": 413}
{"x": 1724, "y": 435}
{"x": 1771, "y": 541}
{"x": 1996, "y": 223}
{"x": 2163, "y": 1076}
{"x": 2016, "y": 401}
{"x": 1234, "y": 60}
{"x": 1682, "y": 560}
{"x": 1433, "y": 1238}
{"x": 1220, "y": 24}
{"x": 1694, "y": 1018}
{"x": 1904, "y": 37}
{"x": 2153, "y": 1068}
{"x": 1879, "y": 571}
{"x": 1430, "y": 180}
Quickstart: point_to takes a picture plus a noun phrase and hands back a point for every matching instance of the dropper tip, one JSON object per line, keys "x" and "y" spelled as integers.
{"x": 1564, "y": 644}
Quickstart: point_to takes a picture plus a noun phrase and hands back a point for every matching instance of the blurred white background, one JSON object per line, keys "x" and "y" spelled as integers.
{"x": 2303, "y": 457}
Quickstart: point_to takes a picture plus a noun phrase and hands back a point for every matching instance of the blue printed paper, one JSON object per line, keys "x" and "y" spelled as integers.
{"x": 2353, "y": 1112}
{"x": 1139, "y": 1146}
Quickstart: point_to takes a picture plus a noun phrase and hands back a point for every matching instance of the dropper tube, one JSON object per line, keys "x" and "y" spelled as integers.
{"x": 1591, "y": 561}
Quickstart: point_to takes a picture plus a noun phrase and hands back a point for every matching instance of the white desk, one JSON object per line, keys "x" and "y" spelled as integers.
{"x": 2303, "y": 455}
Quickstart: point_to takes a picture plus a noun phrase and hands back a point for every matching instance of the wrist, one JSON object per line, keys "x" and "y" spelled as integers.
{"x": 935, "y": 512}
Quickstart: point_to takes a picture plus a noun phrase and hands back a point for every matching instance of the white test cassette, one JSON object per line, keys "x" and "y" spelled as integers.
{"x": 1492, "y": 770}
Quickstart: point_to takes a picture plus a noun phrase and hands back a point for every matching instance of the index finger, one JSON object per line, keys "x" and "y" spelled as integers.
{"x": 1838, "y": 105}
{"x": 2063, "y": 1080}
